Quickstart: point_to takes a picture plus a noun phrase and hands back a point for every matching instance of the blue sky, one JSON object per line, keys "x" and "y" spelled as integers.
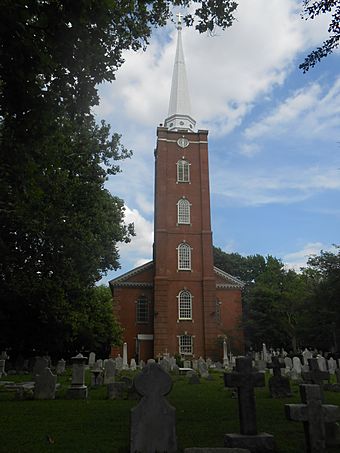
{"x": 274, "y": 132}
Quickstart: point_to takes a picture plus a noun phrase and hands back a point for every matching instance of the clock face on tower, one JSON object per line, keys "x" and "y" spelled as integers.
{"x": 183, "y": 142}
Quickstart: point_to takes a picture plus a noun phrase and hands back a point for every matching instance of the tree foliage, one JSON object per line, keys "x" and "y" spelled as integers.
{"x": 311, "y": 9}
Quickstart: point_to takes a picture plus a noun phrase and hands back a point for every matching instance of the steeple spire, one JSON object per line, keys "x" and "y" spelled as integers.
{"x": 179, "y": 115}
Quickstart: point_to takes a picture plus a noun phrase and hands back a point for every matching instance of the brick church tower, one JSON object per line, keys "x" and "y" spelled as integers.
{"x": 179, "y": 303}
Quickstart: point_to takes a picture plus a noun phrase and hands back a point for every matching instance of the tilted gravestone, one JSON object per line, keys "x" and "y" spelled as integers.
{"x": 245, "y": 379}
{"x": 153, "y": 420}
{"x": 314, "y": 415}
{"x": 45, "y": 385}
{"x": 279, "y": 386}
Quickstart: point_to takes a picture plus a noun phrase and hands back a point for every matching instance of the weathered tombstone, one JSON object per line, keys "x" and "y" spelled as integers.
{"x": 125, "y": 357}
{"x": 288, "y": 362}
{"x": 331, "y": 365}
{"x": 153, "y": 420}
{"x": 297, "y": 367}
{"x": 195, "y": 364}
{"x": 45, "y": 385}
{"x": 133, "y": 364}
{"x": 203, "y": 368}
{"x": 261, "y": 365}
{"x": 99, "y": 364}
{"x": 219, "y": 366}
{"x": 61, "y": 366}
{"x": 245, "y": 379}
{"x": 322, "y": 363}
{"x": 315, "y": 375}
{"x": 116, "y": 390}
{"x": 78, "y": 389}
{"x": 2, "y": 367}
{"x": 307, "y": 354}
{"x": 109, "y": 371}
{"x": 209, "y": 362}
{"x": 337, "y": 375}
{"x": 279, "y": 386}
{"x": 119, "y": 363}
{"x": 39, "y": 366}
{"x": 96, "y": 376}
{"x": 165, "y": 364}
{"x": 193, "y": 378}
{"x": 314, "y": 416}
{"x": 141, "y": 364}
{"x": 173, "y": 363}
{"x": 92, "y": 359}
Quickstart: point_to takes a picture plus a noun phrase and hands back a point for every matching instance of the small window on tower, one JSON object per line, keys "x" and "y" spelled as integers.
{"x": 184, "y": 257}
{"x": 183, "y": 171}
{"x": 185, "y": 344}
{"x": 183, "y": 211}
{"x": 142, "y": 310}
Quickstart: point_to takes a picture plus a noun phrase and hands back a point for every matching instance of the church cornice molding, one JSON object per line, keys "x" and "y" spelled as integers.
{"x": 122, "y": 279}
{"x": 194, "y": 142}
{"x": 235, "y": 282}
{"x": 134, "y": 285}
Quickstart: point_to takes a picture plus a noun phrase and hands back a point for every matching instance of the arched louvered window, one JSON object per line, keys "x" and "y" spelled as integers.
{"x": 184, "y": 257}
{"x": 183, "y": 171}
{"x": 184, "y": 305}
{"x": 183, "y": 211}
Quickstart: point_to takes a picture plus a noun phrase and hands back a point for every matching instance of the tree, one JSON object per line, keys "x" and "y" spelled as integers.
{"x": 311, "y": 9}
{"x": 60, "y": 226}
{"x": 323, "y": 275}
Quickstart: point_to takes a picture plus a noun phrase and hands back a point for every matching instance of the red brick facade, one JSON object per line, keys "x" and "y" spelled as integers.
{"x": 210, "y": 299}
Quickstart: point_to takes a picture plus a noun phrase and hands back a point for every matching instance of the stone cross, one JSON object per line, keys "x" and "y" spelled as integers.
{"x": 245, "y": 379}
{"x": 179, "y": 17}
{"x": 314, "y": 416}
{"x": 276, "y": 366}
{"x": 153, "y": 420}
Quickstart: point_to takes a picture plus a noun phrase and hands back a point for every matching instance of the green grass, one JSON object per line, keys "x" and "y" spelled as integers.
{"x": 204, "y": 413}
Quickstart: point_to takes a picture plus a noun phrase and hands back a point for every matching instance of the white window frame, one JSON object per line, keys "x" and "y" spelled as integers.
{"x": 184, "y": 257}
{"x": 185, "y": 345}
{"x": 183, "y": 211}
{"x": 146, "y": 309}
{"x": 184, "y": 305}
{"x": 183, "y": 170}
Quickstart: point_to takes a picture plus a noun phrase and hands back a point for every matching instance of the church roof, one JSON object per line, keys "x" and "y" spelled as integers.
{"x": 179, "y": 114}
{"x": 127, "y": 279}
{"x": 133, "y": 278}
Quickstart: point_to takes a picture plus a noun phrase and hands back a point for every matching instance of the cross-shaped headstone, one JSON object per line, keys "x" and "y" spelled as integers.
{"x": 314, "y": 416}
{"x": 179, "y": 18}
{"x": 276, "y": 366}
{"x": 245, "y": 379}
{"x": 315, "y": 375}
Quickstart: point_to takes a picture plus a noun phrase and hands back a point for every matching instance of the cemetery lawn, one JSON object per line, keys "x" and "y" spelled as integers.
{"x": 204, "y": 412}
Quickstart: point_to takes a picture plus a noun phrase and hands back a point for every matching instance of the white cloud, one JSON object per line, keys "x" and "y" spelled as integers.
{"x": 283, "y": 185}
{"x": 309, "y": 112}
{"x": 297, "y": 260}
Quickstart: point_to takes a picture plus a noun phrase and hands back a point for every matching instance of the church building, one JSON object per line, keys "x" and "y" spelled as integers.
{"x": 179, "y": 303}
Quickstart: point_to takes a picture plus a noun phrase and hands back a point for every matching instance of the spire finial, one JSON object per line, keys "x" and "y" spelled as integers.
{"x": 179, "y": 116}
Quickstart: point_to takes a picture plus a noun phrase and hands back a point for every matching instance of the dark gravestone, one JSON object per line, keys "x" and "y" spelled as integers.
{"x": 279, "y": 386}
{"x": 315, "y": 375}
{"x": 245, "y": 379}
{"x": 337, "y": 375}
{"x": 153, "y": 420}
{"x": 314, "y": 416}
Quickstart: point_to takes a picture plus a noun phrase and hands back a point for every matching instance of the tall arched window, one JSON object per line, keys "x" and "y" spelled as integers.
{"x": 183, "y": 211}
{"x": 184, "y": 257}
{"x": 184, "y": 305}
{"x": 183, "y": 171}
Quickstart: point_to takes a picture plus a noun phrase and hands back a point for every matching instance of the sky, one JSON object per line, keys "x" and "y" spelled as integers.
{"x": 274, "y": 132}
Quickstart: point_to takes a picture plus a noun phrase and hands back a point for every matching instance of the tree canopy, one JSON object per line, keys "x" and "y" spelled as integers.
{"x": 311, "y": 9}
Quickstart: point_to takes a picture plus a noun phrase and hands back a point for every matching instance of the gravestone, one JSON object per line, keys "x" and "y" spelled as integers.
{"x": 195, "y": 364}
{"x": 92, "y": 359}
{"x": 215, "y": 450}
{"x": 322, "y": 363}
{"x": 109, "y": 371}
{"x": 116, "y": 391}
{"x": 186, "y": 364}
{"x": 314, "y": 415}
{"x": 45, "y": 385}
{"x": 279, "y": 386}
{"x": 141, "y": 364}
{"x": 307, "y": 354}
{"x": 153, "y": 420}
{"x": 133, "y": 364}
{"x": 245, "y": 379}
{"x": 203, "y": 368}
{"x": 315, "y": 375}
{"x": 78, "y": 389}
{"x": 193, "y": 378}
{"x": 39, "y": 366}
{"x": 337, "y": 375}
{"x": 165, "y": 364}
{"x": 288, "y": 362}
{"x": 119, "y": 363}
{"x": 99, "y": 364}
{"x": 61, "y": 366}
{"x": 2, "y": 367}
{"x": 261, "y": 365}
{"x": 96, "y": 376}
{"x": 331, "y": 365}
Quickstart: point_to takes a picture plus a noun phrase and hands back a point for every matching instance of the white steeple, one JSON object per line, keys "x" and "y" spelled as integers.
{"x": 179, "y": 115}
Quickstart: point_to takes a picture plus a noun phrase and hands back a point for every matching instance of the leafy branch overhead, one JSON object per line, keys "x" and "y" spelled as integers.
{"x": 311, "y": 9}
